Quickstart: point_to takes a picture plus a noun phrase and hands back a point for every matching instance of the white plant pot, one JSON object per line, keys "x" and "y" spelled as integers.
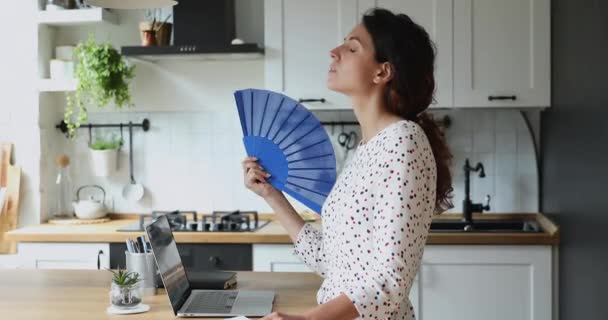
{"x": 104, "y": 162}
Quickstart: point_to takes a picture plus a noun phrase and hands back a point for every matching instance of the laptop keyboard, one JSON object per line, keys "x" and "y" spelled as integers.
{"x": 211, "y": 302}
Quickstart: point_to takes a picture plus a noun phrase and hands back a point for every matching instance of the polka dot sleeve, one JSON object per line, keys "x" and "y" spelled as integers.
{"x": 309, "y": 248}
{"x": 400, "y": 225}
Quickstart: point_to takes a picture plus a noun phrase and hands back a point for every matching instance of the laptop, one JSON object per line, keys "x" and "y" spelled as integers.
{"x": 188, "y": 302}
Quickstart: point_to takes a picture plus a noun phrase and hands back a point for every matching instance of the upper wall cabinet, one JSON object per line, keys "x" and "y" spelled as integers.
{"x": 300, "y": 34}
{"x": 490, "y": 53}
{"x": 502, "y": 53}
{"x": 298, "y": 37}
{"x": 435, "y": 16}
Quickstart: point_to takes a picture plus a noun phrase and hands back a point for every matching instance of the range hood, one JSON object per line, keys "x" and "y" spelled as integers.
{"x": 201, "y": 30}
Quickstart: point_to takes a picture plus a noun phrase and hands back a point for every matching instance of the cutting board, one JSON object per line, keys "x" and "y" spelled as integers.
{"x": 10, "y": 177}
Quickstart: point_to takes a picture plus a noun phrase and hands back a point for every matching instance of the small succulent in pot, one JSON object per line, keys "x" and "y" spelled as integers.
{"x": 126, "y": 289}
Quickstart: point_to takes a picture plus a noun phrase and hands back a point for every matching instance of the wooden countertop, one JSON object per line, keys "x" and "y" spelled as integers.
{"x": 106, "y": 232}
{"x": 83, "y": 294}
{"x": 275, "y": 233}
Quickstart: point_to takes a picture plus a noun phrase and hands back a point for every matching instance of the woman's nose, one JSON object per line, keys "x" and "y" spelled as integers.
{"x": 334, "y": 53}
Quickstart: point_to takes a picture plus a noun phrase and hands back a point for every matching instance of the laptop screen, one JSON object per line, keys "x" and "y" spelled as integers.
{"x": 169, "y": 262}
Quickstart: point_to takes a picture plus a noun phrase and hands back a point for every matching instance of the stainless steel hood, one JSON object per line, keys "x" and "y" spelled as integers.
{"x": 201, "y": 30}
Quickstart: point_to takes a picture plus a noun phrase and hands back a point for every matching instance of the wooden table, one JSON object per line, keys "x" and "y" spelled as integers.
{"x": 83, "y": 294}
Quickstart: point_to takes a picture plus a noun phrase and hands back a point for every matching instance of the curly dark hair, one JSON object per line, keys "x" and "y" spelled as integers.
{"x": 411, "y": 53}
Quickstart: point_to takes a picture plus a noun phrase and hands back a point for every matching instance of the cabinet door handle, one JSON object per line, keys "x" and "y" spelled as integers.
{"x": 322, "y": 100}
{"x": 492, "y": 98}
{"x": 99, "y": 259}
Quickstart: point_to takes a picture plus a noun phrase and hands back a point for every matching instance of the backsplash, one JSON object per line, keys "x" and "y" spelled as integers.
{"x": 192, "y": 160}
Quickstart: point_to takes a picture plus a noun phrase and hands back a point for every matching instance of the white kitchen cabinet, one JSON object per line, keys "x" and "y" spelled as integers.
{"x": 277, "y": 258}
{"x": 435, "y": 16}
{"x": 490, "y": 53}
{"x": 300, "y": 34}
{"x": 502, "y": 53}
{"x": 485, "y": 282}
{"x": 298, "y": 38}
{"x": 64, "y": 255}
{"x": 461, "y": 281}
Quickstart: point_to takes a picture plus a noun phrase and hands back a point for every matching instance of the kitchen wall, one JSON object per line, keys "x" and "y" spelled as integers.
{"x": 574, "y": 153}
{"x": 18, "y": 110}
{"x": 190, "y": 159}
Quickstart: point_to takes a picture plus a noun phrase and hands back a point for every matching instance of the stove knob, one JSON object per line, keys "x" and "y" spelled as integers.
{"x": 219, "y": 226}
{"x": 194, "y": 226}
{"x": 234, "y": 226}
{"x": 207, "y": 226}
{"x": 214, "y": 261}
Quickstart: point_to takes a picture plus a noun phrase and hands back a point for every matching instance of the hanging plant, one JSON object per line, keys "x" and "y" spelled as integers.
{"x": 102, "y": 76}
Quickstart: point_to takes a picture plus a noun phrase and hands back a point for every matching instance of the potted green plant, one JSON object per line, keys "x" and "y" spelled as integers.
{"x": 104, "y": 154}
{"x": 102, "y": 76}
{"x": 125, "y": 291}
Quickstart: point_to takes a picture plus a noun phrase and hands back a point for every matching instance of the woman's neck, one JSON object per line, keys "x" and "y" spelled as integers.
{"x": 372, "y": 115}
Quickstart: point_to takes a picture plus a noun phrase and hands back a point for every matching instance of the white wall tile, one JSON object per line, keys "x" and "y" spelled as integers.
{"x": 526, "y": 164}
{"x": 200, "y": 154}
{"x": 505, "y": 164}
{"x": 483, "y": 142}
{"x": 524, "y": 143}
{"x": 506, "y": 142}
{"x": 460, "y": 142}
{"x": 506, "y": 198}
{"x": 507, "y": 120}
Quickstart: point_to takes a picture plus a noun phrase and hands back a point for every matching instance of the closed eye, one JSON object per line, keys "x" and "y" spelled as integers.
{"x": 353, "y": 40}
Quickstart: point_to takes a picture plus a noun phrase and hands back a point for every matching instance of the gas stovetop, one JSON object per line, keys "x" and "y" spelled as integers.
{"x": 187, "y": 221}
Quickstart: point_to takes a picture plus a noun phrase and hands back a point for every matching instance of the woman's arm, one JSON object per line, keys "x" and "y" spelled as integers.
{"x": 308, "y": 242}
{"x": 289, "y": 218}
{"x": 255, "y": 180}
{"x": 339, "y": 308}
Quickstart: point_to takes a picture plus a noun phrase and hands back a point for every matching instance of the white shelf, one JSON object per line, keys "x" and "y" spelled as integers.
{"x": 75, "y": 17}
{"x": 56, "y": 85}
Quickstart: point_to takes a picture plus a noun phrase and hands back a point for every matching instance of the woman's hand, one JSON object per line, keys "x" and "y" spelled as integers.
{"x": 255, "y": 178}
{"x": 282, "y": 316}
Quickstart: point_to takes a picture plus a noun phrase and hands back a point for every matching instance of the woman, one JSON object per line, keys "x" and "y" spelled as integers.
{"x": 377, "y": 216}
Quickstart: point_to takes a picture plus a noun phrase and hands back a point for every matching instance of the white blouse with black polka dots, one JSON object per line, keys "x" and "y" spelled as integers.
{"x": 375, "y": 224}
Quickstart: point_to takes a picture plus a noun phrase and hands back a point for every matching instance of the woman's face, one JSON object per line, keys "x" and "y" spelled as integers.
{"x": 353, "y": 65}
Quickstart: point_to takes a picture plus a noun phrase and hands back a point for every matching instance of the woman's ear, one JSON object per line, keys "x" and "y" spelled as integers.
{"x": 384, "y": 73}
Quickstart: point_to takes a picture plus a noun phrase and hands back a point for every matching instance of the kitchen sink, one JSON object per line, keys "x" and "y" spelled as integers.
{"x": 486, "y": 226}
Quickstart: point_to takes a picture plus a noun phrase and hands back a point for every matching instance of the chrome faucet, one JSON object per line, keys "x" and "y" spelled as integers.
{"x": 468, "y": 207}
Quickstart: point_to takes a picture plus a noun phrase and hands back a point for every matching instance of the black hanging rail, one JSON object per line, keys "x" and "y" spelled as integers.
{"x": 145, "y": 125}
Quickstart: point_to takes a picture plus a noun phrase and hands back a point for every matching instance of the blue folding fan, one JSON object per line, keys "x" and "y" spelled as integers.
{"x": 290, "y": 144}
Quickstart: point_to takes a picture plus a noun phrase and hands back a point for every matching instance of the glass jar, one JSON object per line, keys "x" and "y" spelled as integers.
{"x": 126, "y": 297}
{"x": 63, "y": 208}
